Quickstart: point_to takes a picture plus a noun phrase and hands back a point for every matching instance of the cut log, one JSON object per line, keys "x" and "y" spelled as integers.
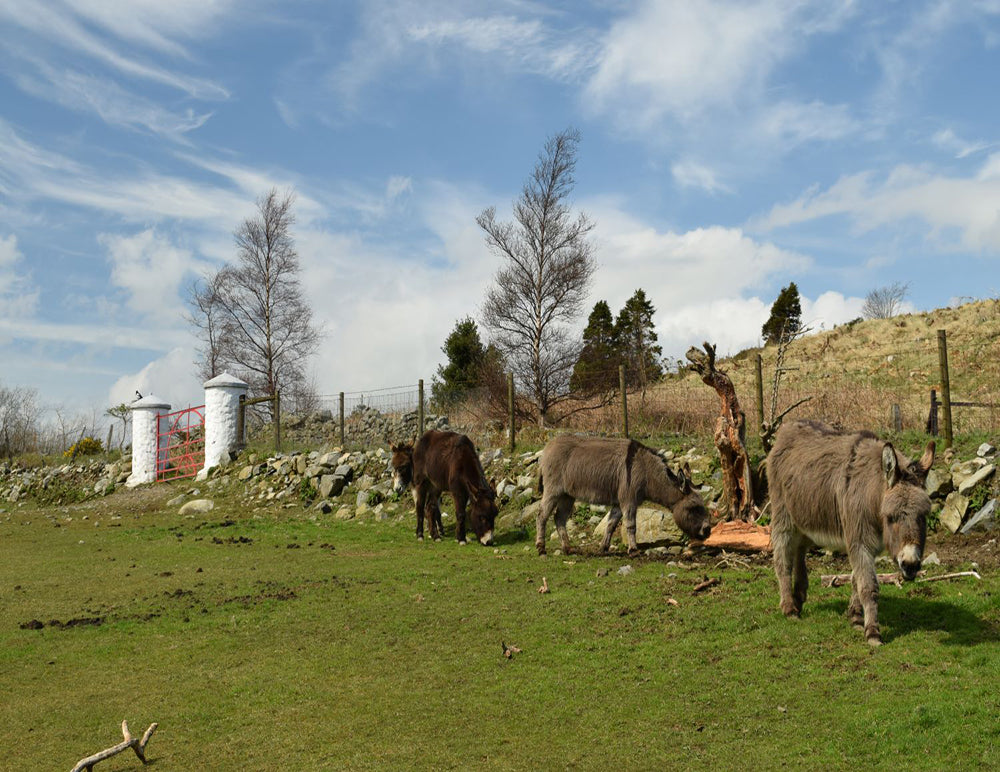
{"x": 739, "y": 536}
{"x": 136, "y": 744}
{"x": 730, "y": 435}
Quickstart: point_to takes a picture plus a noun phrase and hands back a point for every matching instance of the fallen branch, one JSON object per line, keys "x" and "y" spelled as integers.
{"x": 136, "y": 744}
{"x": 836, "y": 580}
{"x": 545, "y": 586}
{"x": 939, "y": 577}
{"x": 704, "y": 585}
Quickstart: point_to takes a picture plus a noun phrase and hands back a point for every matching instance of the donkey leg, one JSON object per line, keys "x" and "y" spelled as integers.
{"x": 784, "y": 547}
{"x": 854, "y": 611}
{"x": 433, "y": 508}
{"x": 614, "y": 518}
{"x": 419, "y": 500}
{"x": 564, "y": 508}
{"x": 548, "y": 504}
{"x": 630, "y": 510}
{"x": 865, "y": 580}
{"x": 800, "y": 576}
{"x": 461, "y": 498}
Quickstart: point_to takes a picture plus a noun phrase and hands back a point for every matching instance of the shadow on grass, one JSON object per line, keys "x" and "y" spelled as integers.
{"x": 899, "y": 616}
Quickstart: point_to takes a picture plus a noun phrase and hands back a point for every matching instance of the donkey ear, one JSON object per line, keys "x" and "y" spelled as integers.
{"x": 473, "y": 494}
{"x": 927, "y": 460}
{"x": 890, "y": 465}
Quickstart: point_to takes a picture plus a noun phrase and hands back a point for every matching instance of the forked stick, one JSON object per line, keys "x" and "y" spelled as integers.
{"x": 136, "y": 744}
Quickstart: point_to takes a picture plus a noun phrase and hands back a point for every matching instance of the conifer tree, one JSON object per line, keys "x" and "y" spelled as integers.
{"x": 786, "y": 316}
{"x": 636, "y": 340}
{"x": 466, "y": 356}
{"x": 597, "y": 367}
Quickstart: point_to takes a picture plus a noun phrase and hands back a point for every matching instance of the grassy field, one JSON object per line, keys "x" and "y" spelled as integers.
{"x": 269, "y": 639}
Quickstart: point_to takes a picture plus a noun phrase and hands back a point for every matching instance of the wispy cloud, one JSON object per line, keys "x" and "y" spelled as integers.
{"x": 58, "y": 25}
{"x": 691, "y": 174}
{"x": 18, "y": 296}
{"x": 108, "y": 100}
{"x": 966, "y": 206}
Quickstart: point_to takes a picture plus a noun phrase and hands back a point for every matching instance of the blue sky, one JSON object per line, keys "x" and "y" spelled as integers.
{"x": 727, "y": 149}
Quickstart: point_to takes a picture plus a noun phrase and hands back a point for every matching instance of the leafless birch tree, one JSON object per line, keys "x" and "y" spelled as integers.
{"x": 885, "y": 302}
{"x": 546, "y": 267}
{"x": 252, "y": 315}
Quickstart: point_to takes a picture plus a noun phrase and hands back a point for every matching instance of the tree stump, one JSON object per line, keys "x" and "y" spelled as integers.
{"x": 730, "y": 435}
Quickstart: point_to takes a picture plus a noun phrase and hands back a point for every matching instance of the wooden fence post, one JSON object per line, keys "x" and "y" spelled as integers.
{"x": 760, "y": 394}
{"x": 341, "y": 419}
{"x": 621, "y": 386}
{"x": 510, "y": 408}
{"x": 896, "y": 418}
{"x": 420, "y": 407}
{"x": 945, "y": 386}
{"x": 277, "y": 422}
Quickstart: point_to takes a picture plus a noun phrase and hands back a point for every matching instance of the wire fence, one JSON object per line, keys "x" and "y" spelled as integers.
{"x": 857, "y": 389}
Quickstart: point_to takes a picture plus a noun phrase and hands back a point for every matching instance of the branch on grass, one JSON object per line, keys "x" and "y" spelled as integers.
{"x": 136, "y": 744}
{"x": 836, "y": 580}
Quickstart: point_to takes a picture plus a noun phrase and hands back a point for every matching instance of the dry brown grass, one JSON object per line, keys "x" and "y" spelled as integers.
{"x": 854, "y": 374}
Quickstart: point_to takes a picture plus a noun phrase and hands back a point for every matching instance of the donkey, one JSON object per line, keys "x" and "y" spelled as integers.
{"x": 619, "y": 472}
{"x": 446, "y": 461}
{"x": 850, "y": 492}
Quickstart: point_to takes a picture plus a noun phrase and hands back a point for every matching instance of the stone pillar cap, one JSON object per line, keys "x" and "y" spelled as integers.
{"x": 149, "y": 401}
{"x": 226, "y": 379}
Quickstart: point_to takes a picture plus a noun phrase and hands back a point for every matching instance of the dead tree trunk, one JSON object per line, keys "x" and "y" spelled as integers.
{"x": 730, "y": 435}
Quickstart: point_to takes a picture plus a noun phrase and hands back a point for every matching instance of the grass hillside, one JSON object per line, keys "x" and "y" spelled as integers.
{"x": 853, "y": 373}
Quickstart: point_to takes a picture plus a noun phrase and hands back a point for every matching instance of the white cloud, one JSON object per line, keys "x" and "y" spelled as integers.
{"x": 151, "y": 271}
{"x": 677, "y": 269}
{"x": 397, "y": 186}
{"x": 113, "y": 104}
{"x": 792, "y": 123}
{"x": 679, "y": 58}
{"x": 53, "y": 23}
{"x": 968, "y": 206}
{"x": 947, "y": 140}
{"x": 691, "y": 174}
{"x": 18, "y": 296}
{"x": 170, "y": 377}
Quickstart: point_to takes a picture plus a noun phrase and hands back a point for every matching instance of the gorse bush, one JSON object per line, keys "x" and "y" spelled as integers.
{"x": 87, "y": 446}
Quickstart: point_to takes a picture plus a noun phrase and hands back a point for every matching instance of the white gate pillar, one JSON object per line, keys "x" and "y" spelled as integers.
{"x": 222, "y": 409}
{"x": 147, "y": 445}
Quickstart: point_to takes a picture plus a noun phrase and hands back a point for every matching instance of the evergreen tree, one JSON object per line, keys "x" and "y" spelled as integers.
{"x": 596, "y": 369}
{"x": 786, "y": 316}
{"x": 466, "y": 357}
{"x": 636, "y": 341}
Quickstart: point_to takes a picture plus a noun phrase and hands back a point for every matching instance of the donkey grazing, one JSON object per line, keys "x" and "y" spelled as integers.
{"x": 446, "y": 461}
{"x": 619, "y": 472}
{"x": 848, "y": 492}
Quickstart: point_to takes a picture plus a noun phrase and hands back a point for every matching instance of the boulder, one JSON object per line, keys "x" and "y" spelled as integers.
{"x": 520, "y": 518}
{"x": 938, "y": 484}
{"x": 197, "y": 507}
{"x": 963, "y": 470}
{"x": 330, "y": 485}
{"x": 984, "y": 519}
{"x": 653, "y": 527}
{"x": 970, "y": 482}
{"x": 985, "y": 450}
{"x": 953, "y": 511}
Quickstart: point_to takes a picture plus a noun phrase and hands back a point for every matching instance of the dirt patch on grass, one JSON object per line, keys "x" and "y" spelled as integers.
{"x": 35, "y": 624}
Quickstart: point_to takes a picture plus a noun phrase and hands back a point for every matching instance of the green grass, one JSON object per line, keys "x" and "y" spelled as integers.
{"x": 264, "y": 639}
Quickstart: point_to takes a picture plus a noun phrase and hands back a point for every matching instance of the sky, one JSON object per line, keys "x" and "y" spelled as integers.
{"x": 727, "y": 148}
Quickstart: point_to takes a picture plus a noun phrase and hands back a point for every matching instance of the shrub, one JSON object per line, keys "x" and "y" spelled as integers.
{"x": 87, "y": 446}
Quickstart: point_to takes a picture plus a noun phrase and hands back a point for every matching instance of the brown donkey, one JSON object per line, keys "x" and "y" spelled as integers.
{"x": 849, "y": 492}
{"x": 619, "y": 472}
{"x": 446, "y": 461}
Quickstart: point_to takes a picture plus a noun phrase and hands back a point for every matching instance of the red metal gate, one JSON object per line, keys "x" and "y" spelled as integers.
{"x": 180, "y": 443}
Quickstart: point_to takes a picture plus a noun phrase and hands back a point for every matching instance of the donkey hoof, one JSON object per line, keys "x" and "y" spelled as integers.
{"x": 462, "y": 542}
{"x": 874, "y": 640}
{"x": 420, "y": 538}
{"x": 437, "y": 538}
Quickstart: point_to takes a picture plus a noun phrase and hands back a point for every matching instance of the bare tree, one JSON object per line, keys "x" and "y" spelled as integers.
{"x": 885, "y": 302}
{"x": 546, "y": 267}
{"x": 19, "y": 416}
{"x": 209, "y": 322}
{"x": 252, "y": 315}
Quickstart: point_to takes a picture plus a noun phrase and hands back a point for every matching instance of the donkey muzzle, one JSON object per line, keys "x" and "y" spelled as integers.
{"x": 486, "y": 539}
{"x": 909, "y": 560}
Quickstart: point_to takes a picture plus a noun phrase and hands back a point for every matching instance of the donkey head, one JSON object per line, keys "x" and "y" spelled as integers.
{"x": 905, "y": 506}
{"x": 689, "y": 511}
{"x": 402, "y": 466}
{"x": 483, "y": 511}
